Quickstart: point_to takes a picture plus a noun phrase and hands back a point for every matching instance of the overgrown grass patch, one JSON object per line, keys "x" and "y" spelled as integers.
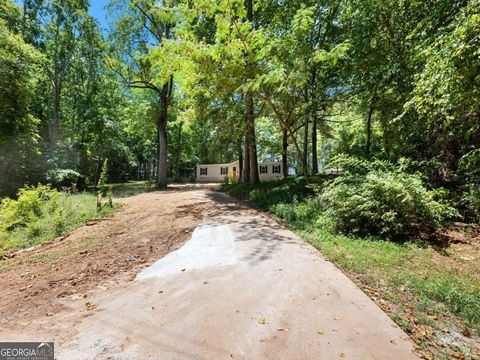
{"x": 41, "y": 214}
{"x": 270, "y": 193}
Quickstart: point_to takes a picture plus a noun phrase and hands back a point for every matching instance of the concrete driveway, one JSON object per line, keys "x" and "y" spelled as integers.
{"x": 243, "y": 287}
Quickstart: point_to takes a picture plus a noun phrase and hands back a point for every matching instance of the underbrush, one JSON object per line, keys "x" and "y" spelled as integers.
{"x": 41, "y": 213}
{"x": 383, "y": 199}
{"x": 427, "y": 288}
{"x": 270, "y": 193}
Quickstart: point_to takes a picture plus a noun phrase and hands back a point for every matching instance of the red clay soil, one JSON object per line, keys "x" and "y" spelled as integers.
{"x": 144, "y": 229}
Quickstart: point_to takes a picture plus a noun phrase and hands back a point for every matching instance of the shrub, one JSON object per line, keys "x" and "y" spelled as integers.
{"x": 270, "y": 193}
{"x": 102, "y": 181}
{"x": 379, "y": 198}
{"x": 471, "y": 199}
{"x": 298, "y": 213}
{"x": 41, "y": 214}
{"x": 29, "y": 206}
{"x": 65, "y": 178}
{"x": 103, "y": 188}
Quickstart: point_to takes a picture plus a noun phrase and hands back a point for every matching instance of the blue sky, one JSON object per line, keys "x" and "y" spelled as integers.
{"x": 97, "y": 9}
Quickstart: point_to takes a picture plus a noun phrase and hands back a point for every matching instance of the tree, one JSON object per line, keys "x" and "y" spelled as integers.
{"x": 19, "y": 76}
{"x": 287, "y": 72}
{"x": 140, "y": 57}
{"x": 60, "y": 39}
{"x": 231, "y": 61}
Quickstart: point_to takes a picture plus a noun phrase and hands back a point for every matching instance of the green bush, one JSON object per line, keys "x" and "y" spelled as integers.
{"x": 299, "y": 214}
{"x": 270, "y": 193}
{"x": 378, "y": 198}
{"x": 471, "y": 199}
{"x": 29, "y": 206}
{"x": 102, "y": 181}
{"x": 41, "y": 214}
{"x": 63, "y": 178}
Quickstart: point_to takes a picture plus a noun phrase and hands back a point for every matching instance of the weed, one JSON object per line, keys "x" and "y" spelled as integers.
{"x": 41, "y": 214}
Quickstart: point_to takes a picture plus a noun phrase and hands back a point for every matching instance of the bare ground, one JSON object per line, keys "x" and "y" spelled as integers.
{"x": 145, "y": 228}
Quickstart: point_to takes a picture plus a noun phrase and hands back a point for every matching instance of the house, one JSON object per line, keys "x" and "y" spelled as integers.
{"x": 217, "y": 172}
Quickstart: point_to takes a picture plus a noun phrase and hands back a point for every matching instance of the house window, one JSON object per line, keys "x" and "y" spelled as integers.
{"x": 203, "y": 171}
{"x": 223, "y": 170}
{"x": 263, "y": 169}
{"x": 276, "y": 169}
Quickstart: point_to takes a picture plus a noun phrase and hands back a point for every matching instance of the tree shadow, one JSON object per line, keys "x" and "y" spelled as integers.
{"x": 255, "y": 226}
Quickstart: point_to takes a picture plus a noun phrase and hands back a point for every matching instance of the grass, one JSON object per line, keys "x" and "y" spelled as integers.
{"x": 53, "y": 219}
{"x": 71, "y": 211}
{"x": 433, "y": 295}
{"x": 130, "y": 188}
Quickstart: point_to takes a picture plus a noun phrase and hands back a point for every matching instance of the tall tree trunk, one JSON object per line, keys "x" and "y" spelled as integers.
{"x": 305, "y": 143}
{"x": 286, "y": 126}
{"x": 178, "y": 148}
{"x": 314, "y": 146}
{"x": 368, "y": 150}
{"x": 56, "y": 84}
{"x": 251, "y": 144}
{"x": 240, "y": 162}
{"x": 254, "y": 177}
{"x": 284, "y": 153}
{"x": 162, "y": 145}
{"x": 55, "y": 122}
{"x": 246, "y": 159}
{"x": 98, "y": 169}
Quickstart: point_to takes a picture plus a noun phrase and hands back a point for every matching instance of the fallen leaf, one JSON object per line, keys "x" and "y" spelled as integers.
{"x": 261, "y": 321}
{"x": 336, "y": 317}
{"x": 342, "y": 354}
{"x": 466, "y": 332}
{"x": 402, "y": 288}
{"x": 321, "y": 332}
{"x": 49, "y": 314}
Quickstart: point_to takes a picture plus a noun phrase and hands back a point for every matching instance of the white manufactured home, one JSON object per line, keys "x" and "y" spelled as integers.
{"x": 217, "y": 172}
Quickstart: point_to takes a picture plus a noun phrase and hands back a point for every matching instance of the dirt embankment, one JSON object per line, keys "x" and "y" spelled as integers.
{"x": 145, "y": 228}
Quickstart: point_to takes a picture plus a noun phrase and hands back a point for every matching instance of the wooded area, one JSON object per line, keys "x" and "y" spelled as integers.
{"x": 371, "y": 106}
{"x": 174, "y": 83}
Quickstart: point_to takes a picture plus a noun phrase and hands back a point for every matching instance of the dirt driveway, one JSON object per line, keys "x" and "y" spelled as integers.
{"x": 242, "y": 287}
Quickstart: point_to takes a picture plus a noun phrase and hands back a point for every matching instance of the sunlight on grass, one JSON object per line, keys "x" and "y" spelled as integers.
{"x": 70, "y": 212}
{"x": 407, "y": 265}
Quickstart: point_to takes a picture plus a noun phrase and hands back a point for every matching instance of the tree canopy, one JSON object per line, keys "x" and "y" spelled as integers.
{"x": 174, "y": 83}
